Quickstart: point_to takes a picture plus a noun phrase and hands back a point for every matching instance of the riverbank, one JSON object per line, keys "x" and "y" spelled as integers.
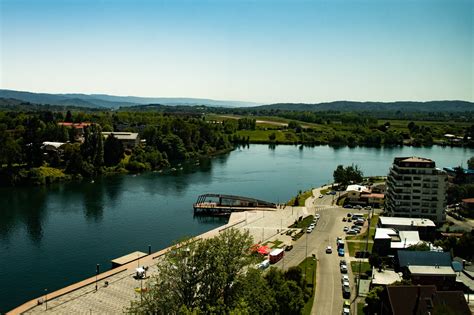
{"x": 267, "y": 227}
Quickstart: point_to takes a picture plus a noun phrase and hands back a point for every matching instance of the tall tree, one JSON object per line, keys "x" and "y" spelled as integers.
{"x": 113, "y": 150}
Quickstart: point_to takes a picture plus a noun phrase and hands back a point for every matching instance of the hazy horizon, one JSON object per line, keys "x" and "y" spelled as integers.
{"x": 249, "y": 51}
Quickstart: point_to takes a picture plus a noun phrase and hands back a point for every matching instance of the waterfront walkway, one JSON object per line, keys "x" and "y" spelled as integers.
{"x": 122, "y": 287}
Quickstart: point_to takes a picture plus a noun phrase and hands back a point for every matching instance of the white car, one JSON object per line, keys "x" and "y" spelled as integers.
{"x": 328, "y": 250}
{"x": 345, "y": 284}
{"x": 317, "y": 215}
{"x": 346, "y": 228}
{"x": 343, "y": 268}
{"x": 309, "y": 230}
{"x": 346, "y": 311}
{"x": 312, "y": 225}
{"x": 320, "y": 196}
{"x": 344, "y": 278}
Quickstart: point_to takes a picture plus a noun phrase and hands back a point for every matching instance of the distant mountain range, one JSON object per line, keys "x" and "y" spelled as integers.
{"x": 403, "y": 106}
{"x": 105, "y": 101}
{"x": 111, "y": 101}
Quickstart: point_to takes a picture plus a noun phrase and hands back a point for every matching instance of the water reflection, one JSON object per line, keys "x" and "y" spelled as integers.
{"x": 93, "y": 201}
{"x": 23, "y": 207}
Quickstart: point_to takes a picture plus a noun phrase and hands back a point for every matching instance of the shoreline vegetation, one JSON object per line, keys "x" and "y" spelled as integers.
{"x": 186, "y": 134}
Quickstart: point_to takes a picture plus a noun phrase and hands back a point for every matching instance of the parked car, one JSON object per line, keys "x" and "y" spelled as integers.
{"x": 346, "y": 284}
{"x": 321, "y": 196}
{"x": 343, "y": 268}
{"x": 288, "y": 247}
{"x": 349, "y": 215}
{"x": 346, "y": 228}
{"x": 328, "y": 250}
{"x": 358, "y": 207}
{"x": 368, "y": 208}
{"x": 342, "y": 262}
{"x": 346, "y": 292}
{"x": 351, "y": 232}
{"x": 346, "y": 308}
{"x": 340, "y": 252}
{"x": 333, "y": 192}
{"x": 348, "y": 206}
{"x": 264, "y": 264}
{"x": 312, "y": 225}
{"x": 309, "y": 230}
{"x": 344, "y": 278}
{"x": 317, "y": 215}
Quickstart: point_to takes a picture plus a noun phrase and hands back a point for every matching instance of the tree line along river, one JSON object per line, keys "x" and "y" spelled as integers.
{"x": 52, "y": 236}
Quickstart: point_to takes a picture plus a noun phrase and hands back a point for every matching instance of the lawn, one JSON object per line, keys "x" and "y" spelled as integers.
{"x": 303, "y": 224}
{"x": 364, "y": 266}
{"x": 301, "y": 198}
{"x": 360, "y": 308}
{"x": 309, "y": 265}
{"x": 358, "y": 246}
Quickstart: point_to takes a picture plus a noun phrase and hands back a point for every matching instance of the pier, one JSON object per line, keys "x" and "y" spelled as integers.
{"x": 219, "y": 204}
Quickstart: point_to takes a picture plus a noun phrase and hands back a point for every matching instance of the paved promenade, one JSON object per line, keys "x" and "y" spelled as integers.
{"x": 122, "y": 287}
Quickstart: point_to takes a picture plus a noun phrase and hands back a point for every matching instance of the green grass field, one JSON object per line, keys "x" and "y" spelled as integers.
{"x": 358, "y": 246}
{"x": 301, "y": 198}
{"x": 309, "y": 265}
{"x": 364, "y": 266}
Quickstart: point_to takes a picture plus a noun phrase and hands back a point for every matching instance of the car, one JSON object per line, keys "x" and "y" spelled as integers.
{"x": 338, "y": 239}
{"x": 332, "y": 192}
{"x": 346, "y": 228}
{"x": 346, "y": 311}
{"x": 343, "y": 268}
{"x": 357, "y": 228}
{"x": 358, "y": 207}
{"x": 344, "y": 278}
{"x": 348, "y": 206}
{"x": 264, "y": 264}
{"x": 344, "y": 219}
{"x": 349, "y": 215}
{"x": 340, "y": 252}
{"x": 347, "y": 304}
{"x": 351, "y": 232}
{"x": 328, "y": 250}
{"x": 288, "y": 248}
{"x": 321, "y": 196}
{"x": 312, "y": 225}
{"x": 309, "y": 230}
{"x": 346, "y": 284}
{"x": 317, "y": 215}
{"x": 346, "y": 292}
{"x": 368, "y": 208}
{"x": 342, "y": 262}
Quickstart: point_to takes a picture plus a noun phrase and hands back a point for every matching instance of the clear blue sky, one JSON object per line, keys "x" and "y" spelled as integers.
{"x": 259, "y": 50}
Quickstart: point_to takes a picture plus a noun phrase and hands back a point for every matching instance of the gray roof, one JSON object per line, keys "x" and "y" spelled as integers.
{"x": 423, "y": 258}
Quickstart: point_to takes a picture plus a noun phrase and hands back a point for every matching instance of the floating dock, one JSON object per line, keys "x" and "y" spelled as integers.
{"x": 219, "y": 204}
{"x": 117, "y": 262}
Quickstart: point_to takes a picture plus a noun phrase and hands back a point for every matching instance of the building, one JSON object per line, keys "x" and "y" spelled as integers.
{"x": 389, "y": 241}
{"x": 362, "y": 195}
{"x": 459, "y": 175}
{"x": 416, "y": 189}
{"x": 128, "y": 139}
{"x": 422, "y": 299}
{"x": 425, "y": 227}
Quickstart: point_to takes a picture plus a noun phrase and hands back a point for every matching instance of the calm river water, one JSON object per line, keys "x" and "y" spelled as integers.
{"x": 53, "y": 236}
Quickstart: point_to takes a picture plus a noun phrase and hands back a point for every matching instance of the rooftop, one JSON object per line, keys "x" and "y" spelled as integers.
{"x": 406, "y": 221}
{"x": 431, "y": 270}
{"x": 423, "y": 258}
{"x": 122, "y": 135}
{"x": 415, "y": 159}
{"x": 357, "y": 188}
{"x": 468, "y": 200}
{"x": 373, "y": 195}
{"x": 399, "y": 239}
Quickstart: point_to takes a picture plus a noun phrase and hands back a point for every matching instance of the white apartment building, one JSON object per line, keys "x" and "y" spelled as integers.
{"x": 416, "y": 189}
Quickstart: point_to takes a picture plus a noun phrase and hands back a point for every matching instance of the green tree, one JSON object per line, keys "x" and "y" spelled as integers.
{"x": 373, "y": 299}
{"x": 9, "y": 149}
{"x": 470, "y": 163}
{"x": 113, "y": 150}
{"x": 422, "y": 246}
{"x": 201, "y": 276}
{"x": 92, "y": 149}
{"x": 272, "y": 136}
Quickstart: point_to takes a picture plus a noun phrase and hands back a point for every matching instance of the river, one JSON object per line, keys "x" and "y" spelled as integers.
{"x": 54, "y": 236}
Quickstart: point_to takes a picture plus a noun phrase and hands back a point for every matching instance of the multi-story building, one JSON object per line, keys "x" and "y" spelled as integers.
{"x": 416, "y": 189}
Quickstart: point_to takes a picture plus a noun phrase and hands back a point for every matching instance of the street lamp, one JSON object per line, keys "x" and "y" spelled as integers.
{"x": 97, "y": 269}
{"x": 46, "y": 298}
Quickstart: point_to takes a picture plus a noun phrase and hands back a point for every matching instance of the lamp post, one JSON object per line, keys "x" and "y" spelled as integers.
{"x": 46, "y": 298}
{"x": 97, "y": 269}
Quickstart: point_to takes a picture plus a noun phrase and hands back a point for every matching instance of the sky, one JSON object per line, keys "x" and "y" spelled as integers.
{"x": 256, "y": 50}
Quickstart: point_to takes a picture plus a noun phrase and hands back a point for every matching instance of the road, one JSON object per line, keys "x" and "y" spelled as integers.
{"x": 328, "y": 297}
